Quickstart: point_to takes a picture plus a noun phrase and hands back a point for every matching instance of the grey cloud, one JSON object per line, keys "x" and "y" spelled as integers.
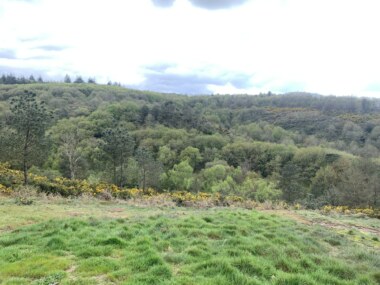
{"x": 206, "y": 4}
{"x": 157, "y": 78}
{"x": 39, "y": 57}
{"x": 33, "y": 39}
{"x": 173, "y": 83}
{"x": 237, "y": 79}
{"x": 11, "y": 54}
{"x": 19, "y": 71}
{"x": 7, "y": 53}
{"x": 217, "y": 4}
{"x": 160, "y": 67}
{"x": 163, "y": 3}
{"x": 51, "y": 47}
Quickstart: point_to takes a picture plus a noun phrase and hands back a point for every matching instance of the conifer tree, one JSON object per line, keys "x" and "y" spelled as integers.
{"x": 29, "y": 121}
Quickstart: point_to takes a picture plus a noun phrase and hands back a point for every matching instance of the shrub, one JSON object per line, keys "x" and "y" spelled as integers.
{"x": 370, "y": 212}
{"x": 25, "y": 195}
{"x": 5, "y": 190}
{"x": 105, "y": 195}
{"x": 266, "y": 191}
{"x": 9, "y": 177}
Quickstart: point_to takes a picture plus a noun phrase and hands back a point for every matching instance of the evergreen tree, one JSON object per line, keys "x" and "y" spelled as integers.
{"x": 91, "y": 80}
{"x": 67, "y": 79}
{"x": 149, "y": 169}
{"x": 29, "y": 121}
{"x": 79, "y": 79}
{"x": 118, "y": 146}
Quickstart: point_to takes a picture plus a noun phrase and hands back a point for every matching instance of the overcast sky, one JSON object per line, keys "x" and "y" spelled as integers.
{"x": 198, "y": 46}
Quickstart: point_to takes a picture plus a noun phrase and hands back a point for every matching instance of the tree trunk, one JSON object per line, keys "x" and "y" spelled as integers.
{"x": 114, "y": 171}
{"x": 121, "y": 182}
{"x": 25, "y": 158}
{"x": 25, "y": 170}
{"x": 71, "y": 165}
{"x": 144, "y": 178}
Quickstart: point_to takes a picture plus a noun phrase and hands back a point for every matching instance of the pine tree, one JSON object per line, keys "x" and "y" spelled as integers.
{"x": 149, "y": 169}
{"x": 79, "y": 79}
{"x": 29, "y": 121}
{"x": 118, "y": 146}
{"x": 67, "y": 79}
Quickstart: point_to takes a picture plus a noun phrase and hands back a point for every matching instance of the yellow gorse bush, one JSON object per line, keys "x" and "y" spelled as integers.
{"x": 68, "y": 187}
{"x": 370, "y": 212}
{"x": 10, "y": 179}
{"x": 5, "y": 189}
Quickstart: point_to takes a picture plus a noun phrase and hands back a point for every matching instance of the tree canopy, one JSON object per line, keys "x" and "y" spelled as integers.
{"x": 297, "y": 147}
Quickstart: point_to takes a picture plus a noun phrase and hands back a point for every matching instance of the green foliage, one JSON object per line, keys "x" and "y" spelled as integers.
{"x": 29, "y": 121}
{"x": 166, "y": 156}
{"x": 118, "y": 146}
{"x": 132, "y": 172}
{"x": 179, "y": 178}
{"x": 71, "y": 138}
{"x": 292, "y": 141}
{"x": 347, "y": 182}
{"x": 192, "y": 155}
{"x": 149, "y": 169}
{"x": 266, "y": 132}
{"x": 266, "y": 191}
{"x": 212, "y": 175}
{"x": 225, "y": 186}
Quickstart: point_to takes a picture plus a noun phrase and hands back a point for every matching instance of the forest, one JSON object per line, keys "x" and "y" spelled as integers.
{"x": 297, "y": 147}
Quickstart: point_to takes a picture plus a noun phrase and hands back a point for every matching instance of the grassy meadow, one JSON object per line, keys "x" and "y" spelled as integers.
{"x": 78, "y": 241}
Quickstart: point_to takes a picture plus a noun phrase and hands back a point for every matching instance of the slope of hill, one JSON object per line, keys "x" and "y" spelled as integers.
{"x": 298, "y": 147}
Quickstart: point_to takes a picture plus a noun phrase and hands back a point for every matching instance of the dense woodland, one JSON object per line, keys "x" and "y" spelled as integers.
{"x": 305, "y": 148}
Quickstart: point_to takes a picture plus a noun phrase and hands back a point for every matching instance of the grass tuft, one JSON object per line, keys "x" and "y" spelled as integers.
{"x": 193, "y": 246}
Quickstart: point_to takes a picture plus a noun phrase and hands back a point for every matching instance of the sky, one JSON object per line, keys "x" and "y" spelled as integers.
{"x": 198, "y": 46}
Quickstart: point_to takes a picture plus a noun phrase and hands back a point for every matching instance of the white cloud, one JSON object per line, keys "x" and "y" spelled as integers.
{"x": 330, "y": 47}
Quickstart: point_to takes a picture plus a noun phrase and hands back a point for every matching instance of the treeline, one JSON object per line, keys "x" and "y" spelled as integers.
{"x": 13, "y": 79}
{"x": 327, "y": 104}
{"x": 168, "y": 142}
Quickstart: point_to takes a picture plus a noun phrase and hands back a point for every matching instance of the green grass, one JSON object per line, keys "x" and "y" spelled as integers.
{"x": 178, "y": 246}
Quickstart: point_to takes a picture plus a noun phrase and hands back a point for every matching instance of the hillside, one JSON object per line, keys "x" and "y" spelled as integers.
{"x": 297, "y": 147}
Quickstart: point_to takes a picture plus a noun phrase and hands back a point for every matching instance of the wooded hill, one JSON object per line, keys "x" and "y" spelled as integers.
{"x": 299, "y": 147}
